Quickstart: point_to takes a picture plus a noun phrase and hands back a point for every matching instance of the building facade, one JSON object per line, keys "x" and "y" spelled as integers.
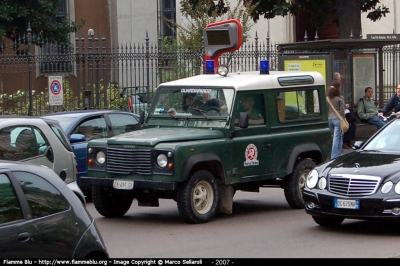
{"x": 124, "y": 22}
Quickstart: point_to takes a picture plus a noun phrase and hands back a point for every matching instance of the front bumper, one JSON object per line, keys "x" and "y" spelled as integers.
{"x": 377, "y": 206}
{"x": 138, "y": 184}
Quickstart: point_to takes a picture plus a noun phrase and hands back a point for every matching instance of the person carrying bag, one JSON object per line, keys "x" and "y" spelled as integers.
{"x": 344, "y": 125}
{"x": 337, "y": 123}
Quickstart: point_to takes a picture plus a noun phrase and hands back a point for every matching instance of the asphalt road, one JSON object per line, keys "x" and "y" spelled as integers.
{"x": 262, "y": 225}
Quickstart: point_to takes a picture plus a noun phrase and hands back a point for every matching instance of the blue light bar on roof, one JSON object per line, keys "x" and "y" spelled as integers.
{"x": 264, "y": 67}
{"x": 210, "y": 67}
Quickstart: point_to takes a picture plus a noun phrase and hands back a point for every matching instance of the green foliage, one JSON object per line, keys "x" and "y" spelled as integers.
{"x": 42, "y": 16}
{"x": 197, "y": 8}
{"x": 191, "y": 33}
{"x": 319, "y": 9}
{"x": 190, "y": 36}
{"x": 18, "y": 103}
{"x": 174, "y": 65}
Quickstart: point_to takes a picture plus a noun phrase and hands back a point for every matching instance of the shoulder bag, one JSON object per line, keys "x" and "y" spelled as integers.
{"x": 344, "y": 125}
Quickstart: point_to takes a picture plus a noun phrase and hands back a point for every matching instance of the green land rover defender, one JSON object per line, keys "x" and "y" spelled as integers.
{"x": 207, "y": 136}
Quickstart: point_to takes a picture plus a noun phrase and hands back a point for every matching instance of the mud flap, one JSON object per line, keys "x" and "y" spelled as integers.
{"x": 225, "y": 199}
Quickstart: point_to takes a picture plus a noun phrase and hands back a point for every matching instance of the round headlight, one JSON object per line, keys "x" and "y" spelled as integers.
{"x": 100, "y": 157}
{"x": 222, "y": 70}
{"x": 312, "y": 179}
{"x": 162, "y": 160}
{"x": 322, "y": 183}
{"x": 397, "y": 188}
{"x": 387, "y": 187}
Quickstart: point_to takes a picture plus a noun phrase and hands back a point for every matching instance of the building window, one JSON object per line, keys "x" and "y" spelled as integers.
{"x": 62, "y": 10}
{"x": 53, "y": 54}
{"x": 168, "y": 11}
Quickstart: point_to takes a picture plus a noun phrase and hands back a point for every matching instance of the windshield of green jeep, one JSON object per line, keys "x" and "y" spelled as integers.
{"x": 192, "y": 102}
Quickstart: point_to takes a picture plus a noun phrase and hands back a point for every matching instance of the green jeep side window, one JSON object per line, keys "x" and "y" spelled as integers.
{"x": 295, "y": 105}
{"x": 253, "y": 104}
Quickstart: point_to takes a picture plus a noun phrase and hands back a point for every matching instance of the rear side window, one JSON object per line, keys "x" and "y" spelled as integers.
{"x": 10, "y": 209}
{"x": 43, "y": 198}
{"x": 94, "y": 128}
{"x": 21, "y": 142}
{"x": 123, "y": 123}
{"x": 297, "y": 105}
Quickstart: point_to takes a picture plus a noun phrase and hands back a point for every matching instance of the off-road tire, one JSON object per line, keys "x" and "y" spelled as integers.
{"x": 328, "y": 221}
{"x": 109, "y": 203}
{"x": 198, "y": 198}
{"x": 294, "y": 185}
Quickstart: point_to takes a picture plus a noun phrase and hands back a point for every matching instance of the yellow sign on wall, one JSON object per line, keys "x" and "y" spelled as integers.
{"x": 318, "y": 65}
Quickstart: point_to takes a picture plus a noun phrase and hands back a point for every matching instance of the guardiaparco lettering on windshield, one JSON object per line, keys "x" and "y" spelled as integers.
{"x": 196, "y": 90}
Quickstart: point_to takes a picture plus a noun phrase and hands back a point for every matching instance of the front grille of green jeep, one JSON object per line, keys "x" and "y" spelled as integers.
{"x": 129, "y": 161}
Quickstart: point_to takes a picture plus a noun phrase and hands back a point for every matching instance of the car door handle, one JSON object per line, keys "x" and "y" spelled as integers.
{"x": 23, "y": 237}
{"x": 268, "y": 145}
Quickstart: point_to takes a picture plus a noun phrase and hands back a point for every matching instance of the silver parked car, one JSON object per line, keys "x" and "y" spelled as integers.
{"x": 42, "y": 142}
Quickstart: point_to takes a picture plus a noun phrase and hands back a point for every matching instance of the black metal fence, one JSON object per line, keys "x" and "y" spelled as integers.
{"x": 99, "y": 77}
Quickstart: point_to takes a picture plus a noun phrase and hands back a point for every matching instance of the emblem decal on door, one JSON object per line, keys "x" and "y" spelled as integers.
{"x": 251, "y": 155}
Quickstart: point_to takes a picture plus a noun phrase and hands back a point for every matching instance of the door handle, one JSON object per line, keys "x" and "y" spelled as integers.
{"x": 268, "y": 145}
{"x": 23, "y": 237}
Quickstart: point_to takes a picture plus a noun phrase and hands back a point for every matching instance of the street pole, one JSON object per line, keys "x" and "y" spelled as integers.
{"x": 29, "y": 39}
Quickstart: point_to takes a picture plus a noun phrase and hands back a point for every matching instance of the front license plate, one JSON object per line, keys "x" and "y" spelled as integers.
{"x": 123, "y": 184}
{"x": 347, "y": 204}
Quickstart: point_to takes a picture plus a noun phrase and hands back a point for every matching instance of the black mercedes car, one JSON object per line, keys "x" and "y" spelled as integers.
{"x": 364, "y": 184}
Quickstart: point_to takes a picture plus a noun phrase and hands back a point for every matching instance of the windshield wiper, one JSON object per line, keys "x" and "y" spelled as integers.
{"x": 201, "y": 111}
{"x": 372, "y": 150}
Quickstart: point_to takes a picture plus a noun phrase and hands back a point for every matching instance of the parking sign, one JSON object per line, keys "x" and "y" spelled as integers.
{"x": 55, "y": 90}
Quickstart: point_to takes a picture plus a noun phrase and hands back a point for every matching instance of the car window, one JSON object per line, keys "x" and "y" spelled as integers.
{"x": 23, "y": 143}
{"x": 122, "y": 123}
{"x": 63, "y": 121}
{"x": 18, "y": 143}
{"x": 7, "y": 149}
{"x": 92, "y": 129}
{"x": 388, "y": 139}
{"x": 41, "y": 139}
{"x": 253, "y": 104}
{"x": 43, "y": 198}
{"x": 298, "y": 105}
{"x": 61, "y": 136}
{"x": 10, "y": 209}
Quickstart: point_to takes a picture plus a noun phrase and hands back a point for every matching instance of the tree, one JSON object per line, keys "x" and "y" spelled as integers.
{"x": 348, "y": 11}
{"x": 191, "y": 33}
{"x": 42, "y": 16}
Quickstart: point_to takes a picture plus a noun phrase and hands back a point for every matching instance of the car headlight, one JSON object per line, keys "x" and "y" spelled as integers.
{"x": 162, "y": 160}
{"x": 100, "y": 157}
{"x": 312, "y": 179}
{"x": 397, "y": 188}
{"x": 322, "y": 183}
{"x": 387, "y": 187}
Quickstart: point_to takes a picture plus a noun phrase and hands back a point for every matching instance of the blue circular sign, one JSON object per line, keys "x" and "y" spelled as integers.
{"x": 55, "y": 87}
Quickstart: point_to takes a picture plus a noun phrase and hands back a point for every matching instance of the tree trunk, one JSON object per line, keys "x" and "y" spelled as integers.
{"x": 349, "y": 17}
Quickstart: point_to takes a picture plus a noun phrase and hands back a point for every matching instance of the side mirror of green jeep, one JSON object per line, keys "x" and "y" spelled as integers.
{"x": 243, "y": 120}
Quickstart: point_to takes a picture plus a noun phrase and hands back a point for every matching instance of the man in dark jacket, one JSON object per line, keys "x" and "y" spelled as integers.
{"x": 393, "y": 104}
